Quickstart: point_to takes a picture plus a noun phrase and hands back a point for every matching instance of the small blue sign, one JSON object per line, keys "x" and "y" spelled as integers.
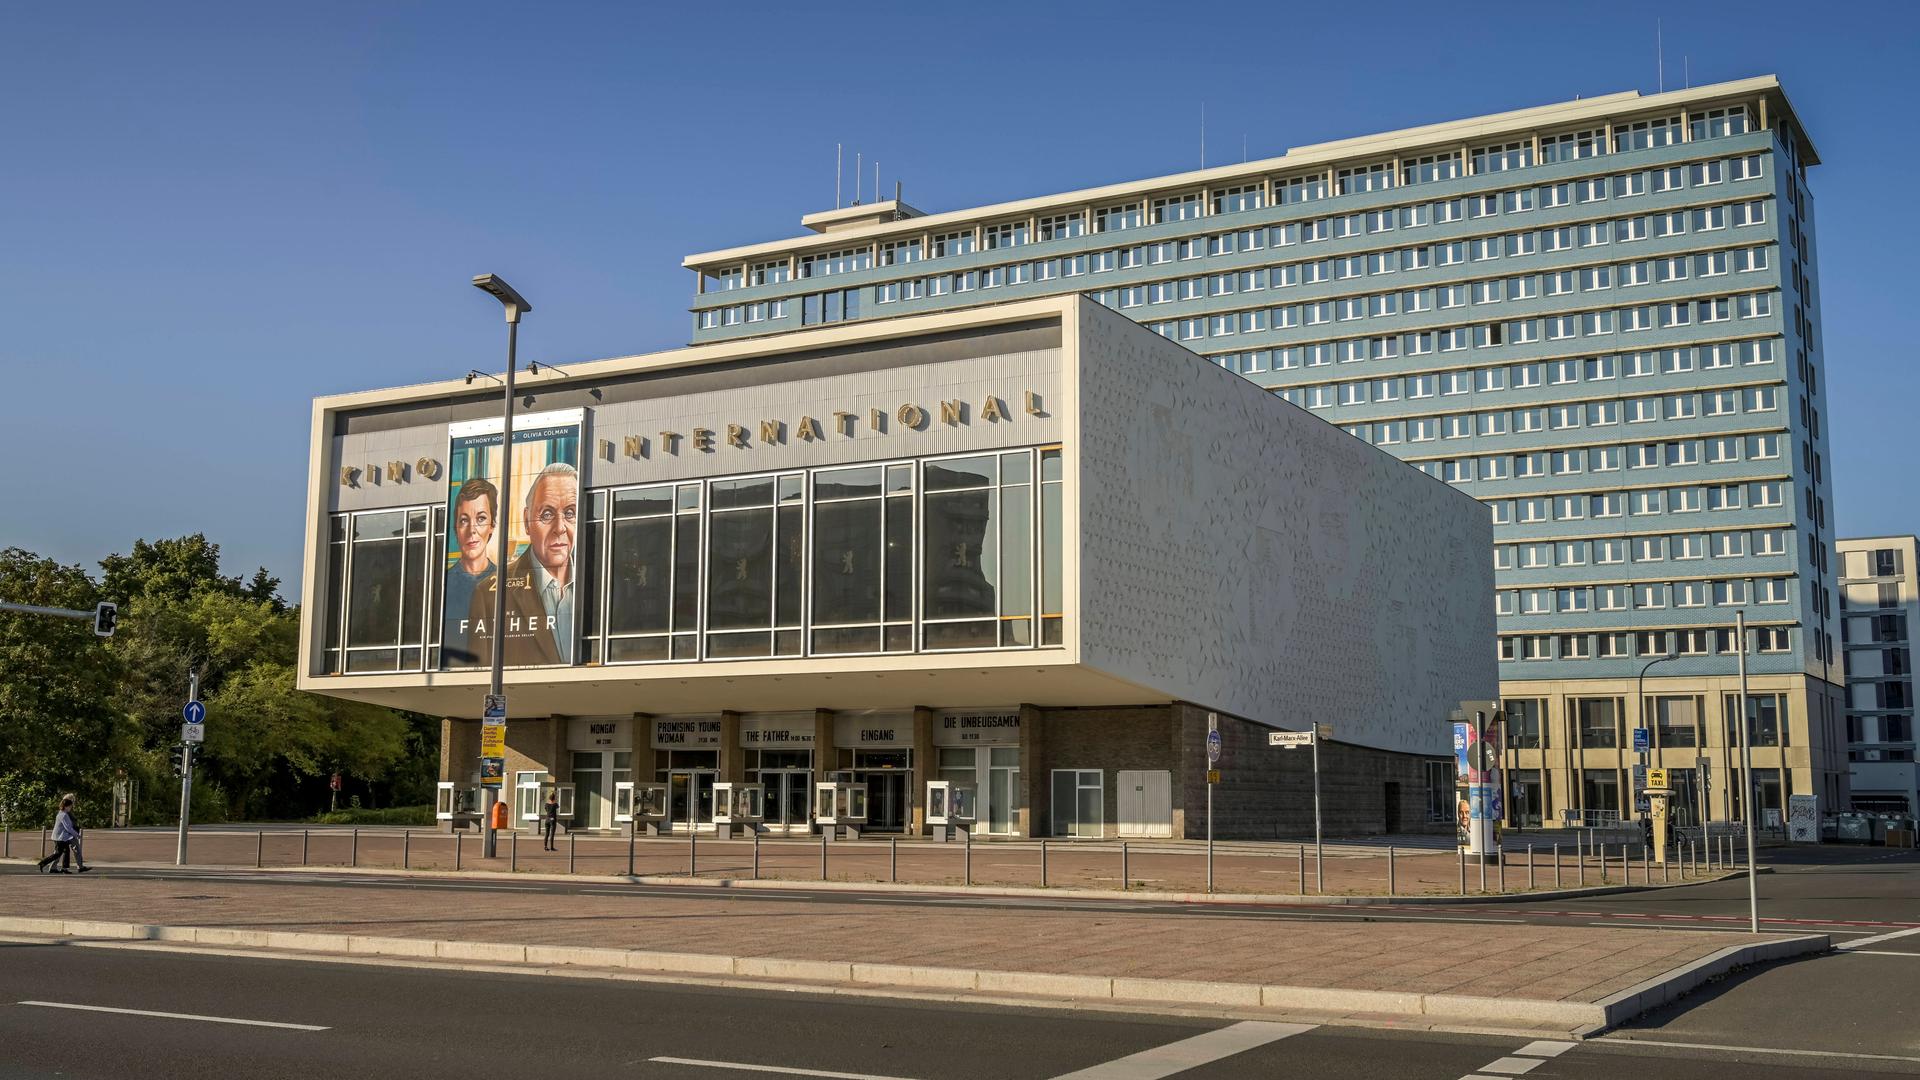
{"x": 1641, "y": 742}
{"x": 194, "y": 713}
{"x": 1213, "y": 747}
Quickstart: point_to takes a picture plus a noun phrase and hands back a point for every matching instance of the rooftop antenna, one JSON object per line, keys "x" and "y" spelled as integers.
{"x": 836, "y": 176}
{"x": 1686, "y": 70}
{"x": 857, "y": 170}
{"x": 876, "y": 181}
{"x": 1243, "y": 148}
{"x": 1660, "y": 53}
{"x": 1203, "y": 135}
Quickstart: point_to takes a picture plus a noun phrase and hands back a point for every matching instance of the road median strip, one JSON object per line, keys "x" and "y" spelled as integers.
{"x": 1573, "y": 1016}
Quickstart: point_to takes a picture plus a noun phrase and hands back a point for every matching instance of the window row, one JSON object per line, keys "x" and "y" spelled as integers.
{"x": 939, "y": 554}
{"x": 1646, "y": 502}
{"x": 1600, "y": 277}
{"x": 1677, "y": 720}
{"x": 1626, "y": 645}
{"x": 1539, "y": 464}
{"x": 1619, "y": 551}
{"x": 1529, "y": 375}
{"x": 1538, "y": 329}
{"x": 1643, "y": 596}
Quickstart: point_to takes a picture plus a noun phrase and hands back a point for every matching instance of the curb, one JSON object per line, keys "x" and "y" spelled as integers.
{"x": 1578, "y": 1017}
{"x": 1010, "y": 891}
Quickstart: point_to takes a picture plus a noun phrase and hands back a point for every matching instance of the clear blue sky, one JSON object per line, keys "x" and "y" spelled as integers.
{"x": 210, "y": 214}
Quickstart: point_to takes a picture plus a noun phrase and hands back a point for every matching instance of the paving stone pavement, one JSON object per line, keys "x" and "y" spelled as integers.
{"x": 1512, "y": 960}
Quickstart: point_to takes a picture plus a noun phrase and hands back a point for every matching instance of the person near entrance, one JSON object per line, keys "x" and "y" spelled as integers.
{"x": 550, "y": 818}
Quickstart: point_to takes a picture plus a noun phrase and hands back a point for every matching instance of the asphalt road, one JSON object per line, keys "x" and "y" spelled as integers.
{"x": 360, "y": 1020}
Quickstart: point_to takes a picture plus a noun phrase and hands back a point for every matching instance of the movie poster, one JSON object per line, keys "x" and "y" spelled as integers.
{"x": 540, "y": 515}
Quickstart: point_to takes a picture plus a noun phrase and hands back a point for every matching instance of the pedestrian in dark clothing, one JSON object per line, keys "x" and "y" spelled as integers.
{"x": 550, "y": 815}
{"x": 66, "y": 842}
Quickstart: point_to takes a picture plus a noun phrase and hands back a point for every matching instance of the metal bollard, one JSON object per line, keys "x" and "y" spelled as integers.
{"x": 1529, "y": 867}
{"x": 1043, "y": 864}
{"x": 1123, "y": 866}
{"x": 1556, "y": 864}
{"x": 693, "y": 852}
{"x": 353, "y": 853}
{"x": 1579, "y": 862}
{"x": 966, "y": 856}
{"x": 1389, "y": 869}
{"x": 458, "y": 837}
{"x": 6, "y": 843}
{"x": 259, "y": 848}
{"x": 823, "y": 850}
{"x": 1302, "y": 850}
{"x": 756, "y": 855}
{"x": 1646, "y": 865}
{"x": 893, "y": 859}
{"x": 1482, "y": 859}
{"x": 573, "y": 840}
{"x": 304, "y": 837}
{"x": 633, "y": 828}
{"x": 1666, "y": 869}
{"x": 1501, "y": 880}
{"x": 1463, "y": 870}
{"x": 513, "y": 851}
{"x": 43, "y": 843}
{"x": 406, "y": 841}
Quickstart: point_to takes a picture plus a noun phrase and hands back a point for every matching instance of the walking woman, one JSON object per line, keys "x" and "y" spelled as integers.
{"x": 550, "y": 817}
{"x": 66, "y": 842}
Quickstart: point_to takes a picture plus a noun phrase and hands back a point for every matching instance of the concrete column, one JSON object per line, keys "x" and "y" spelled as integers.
{"x": 925, "y": 767}
{"x": 1033, "y": 816}
{"x": 733, "y": 760}
{"x": 556, "y": 745}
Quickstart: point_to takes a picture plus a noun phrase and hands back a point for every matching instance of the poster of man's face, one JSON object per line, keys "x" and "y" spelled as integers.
{"x": 531, "y": 598}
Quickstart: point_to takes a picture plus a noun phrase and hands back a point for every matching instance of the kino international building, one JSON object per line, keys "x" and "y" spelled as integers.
{"x": 1033, "y": 548}
{"x": 1601, "y": 319}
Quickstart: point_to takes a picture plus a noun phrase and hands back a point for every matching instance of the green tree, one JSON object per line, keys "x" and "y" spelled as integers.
{"x": 58, "y": 717}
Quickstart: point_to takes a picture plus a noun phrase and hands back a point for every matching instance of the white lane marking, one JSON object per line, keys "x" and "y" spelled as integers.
{"x": 1544, "y": 1048}
{"x": 1190, "y": 1053}
{"x": 1882, "y": 952}
{"x": 1877, "y": 939}
{"x": 1722, "y": 929}
{"x": 1513, "y": 1066}
{"x": 174, "y": 1015}
{"x": 1618, "y": 1040}
{"x": 742, "y": 1066}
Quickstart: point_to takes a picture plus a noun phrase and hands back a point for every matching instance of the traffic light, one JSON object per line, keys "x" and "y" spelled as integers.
{"x": 105, "y": 615}
{"x": 178, "y": 756}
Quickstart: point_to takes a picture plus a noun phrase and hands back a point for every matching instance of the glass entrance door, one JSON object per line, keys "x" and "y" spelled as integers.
{"x": 690, "y": 799}
{"x": 887, "y": 806}
{"x": 788, "y": 795}
{"x": 595, "y": 772}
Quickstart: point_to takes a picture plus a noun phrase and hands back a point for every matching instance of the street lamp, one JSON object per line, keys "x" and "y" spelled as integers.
{"x": 515, "y": 305}
{"x": 1640, "y": 697}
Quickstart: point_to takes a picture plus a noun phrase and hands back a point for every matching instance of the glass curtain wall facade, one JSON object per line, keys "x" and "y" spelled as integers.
{"x": 941, "y": 554}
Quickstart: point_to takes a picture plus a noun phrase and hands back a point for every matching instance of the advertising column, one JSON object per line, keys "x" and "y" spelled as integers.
{"x": 1478, "y": 738}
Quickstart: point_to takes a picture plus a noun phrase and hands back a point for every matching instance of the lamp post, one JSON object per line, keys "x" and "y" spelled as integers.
{"x": 1640, "y": 699}
{"x": 1747, "y": 807}
{"x": 515, "y": 305}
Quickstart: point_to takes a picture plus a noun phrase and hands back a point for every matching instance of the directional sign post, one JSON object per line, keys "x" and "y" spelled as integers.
{"x": 193, "y": 731}
{"x": 1214, "y": 748}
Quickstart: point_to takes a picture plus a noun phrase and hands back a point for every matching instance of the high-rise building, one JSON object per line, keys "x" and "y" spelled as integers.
{"x": 1879, "y": 603}
{"x": 1601, "y": 318}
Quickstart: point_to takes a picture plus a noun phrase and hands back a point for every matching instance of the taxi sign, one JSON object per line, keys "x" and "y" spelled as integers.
{"x": 1656, "y": 778}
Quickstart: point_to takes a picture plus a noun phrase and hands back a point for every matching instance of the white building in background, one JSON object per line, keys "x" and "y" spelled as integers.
{"x": 1881, "y": 607}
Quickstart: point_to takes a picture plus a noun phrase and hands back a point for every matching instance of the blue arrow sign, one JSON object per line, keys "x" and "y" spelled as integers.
{"x": 194, "y": 713}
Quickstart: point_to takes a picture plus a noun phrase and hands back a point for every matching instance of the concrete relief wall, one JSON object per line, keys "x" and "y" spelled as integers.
{"x": 1240, "y": 552}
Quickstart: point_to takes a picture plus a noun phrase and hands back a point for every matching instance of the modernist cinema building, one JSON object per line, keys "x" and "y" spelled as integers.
{"x": 1032, "y": 547}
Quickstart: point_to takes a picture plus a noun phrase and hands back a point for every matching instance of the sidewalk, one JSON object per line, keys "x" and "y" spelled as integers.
{"x": 1567, "y": 979}
{"x": 1262, "y": 869}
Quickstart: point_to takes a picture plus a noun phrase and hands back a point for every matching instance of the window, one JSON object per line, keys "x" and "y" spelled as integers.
{"x": 1175, "y": 208}
{"x": 1116, "y": 218}
{"x": 1572, "y": 146}
{"x": 383, "y": 584}
{"x": 1364, "y": 178}
{"x": 1598, "y": 721}
{"x": 1078, "y": 806}
{"x": 1425, "y": 170}
{"x": 1061, "y": 226}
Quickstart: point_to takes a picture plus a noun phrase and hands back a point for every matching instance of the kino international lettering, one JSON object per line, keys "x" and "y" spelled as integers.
{"x": 953, "y": 412}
